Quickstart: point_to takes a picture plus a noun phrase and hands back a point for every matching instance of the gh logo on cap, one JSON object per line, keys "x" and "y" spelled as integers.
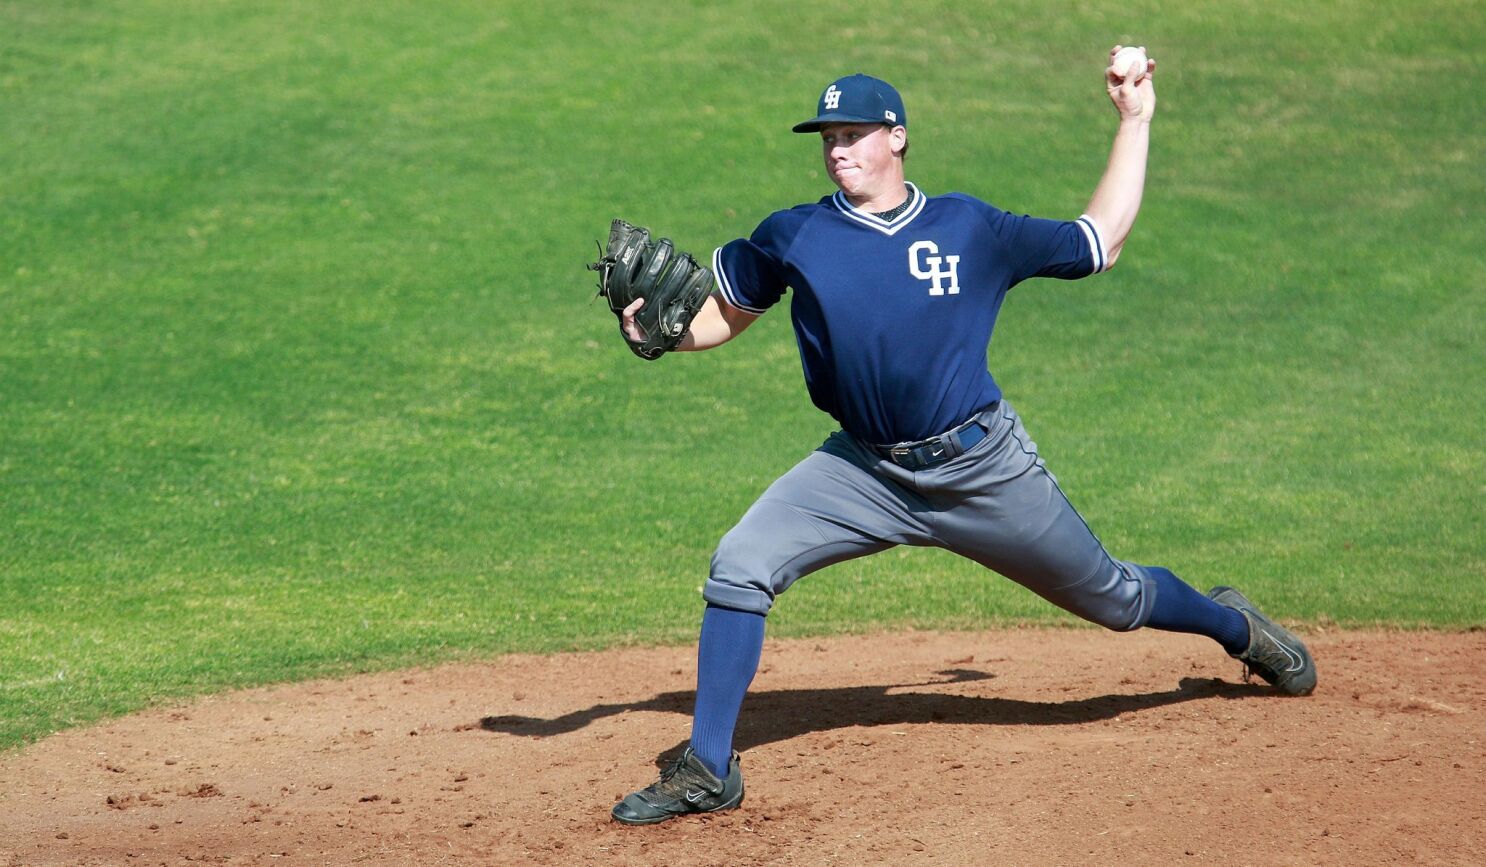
{"x": 927, "y": 267}
{"x": 832, "y": 98}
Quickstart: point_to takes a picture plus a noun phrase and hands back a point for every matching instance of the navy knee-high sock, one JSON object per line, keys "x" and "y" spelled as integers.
{"x": 1180, "y": 608}
{"x": 727, "y": 657}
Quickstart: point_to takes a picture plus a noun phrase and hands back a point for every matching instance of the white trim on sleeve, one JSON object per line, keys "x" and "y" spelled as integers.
{"x": 1096, "y": 242}
{"x": 726, "y": 285}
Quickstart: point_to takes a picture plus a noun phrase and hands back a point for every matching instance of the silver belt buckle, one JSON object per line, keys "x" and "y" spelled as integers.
{"x": 899, "y": 453}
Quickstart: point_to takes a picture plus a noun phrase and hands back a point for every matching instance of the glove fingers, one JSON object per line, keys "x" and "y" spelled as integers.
{"x": 621, "y": 266}
{"x": 620, "y": 263}
{"x": 660, "y": 255}
{"x": 619, "y": 230}
{"x": 629, "y": 256}
{"x": 674, "y": 279}
{"x": 672, "y": 293}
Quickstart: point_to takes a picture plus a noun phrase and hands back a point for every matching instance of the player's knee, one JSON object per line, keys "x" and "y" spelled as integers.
{"x": 1130, "y": 600}
{"x": 739, "y": 577}
{"x": 1120, "y": 618}
{"x": 1118, "y": 598}
{"x": 1115, "y": 615}
{"x": 753, "y": 562}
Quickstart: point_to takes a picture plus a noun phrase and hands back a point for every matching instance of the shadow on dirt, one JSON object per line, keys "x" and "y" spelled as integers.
{"x": 778, "y": 715}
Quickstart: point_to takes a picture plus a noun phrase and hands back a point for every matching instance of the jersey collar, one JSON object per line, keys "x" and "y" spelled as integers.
{"x": 872, "y": 221}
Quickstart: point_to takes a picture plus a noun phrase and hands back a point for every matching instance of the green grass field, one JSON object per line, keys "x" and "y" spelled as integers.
{"x": 300, "y": 372}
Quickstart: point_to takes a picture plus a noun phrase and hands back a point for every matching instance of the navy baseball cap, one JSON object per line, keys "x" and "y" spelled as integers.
{"x": 857, "y": 99}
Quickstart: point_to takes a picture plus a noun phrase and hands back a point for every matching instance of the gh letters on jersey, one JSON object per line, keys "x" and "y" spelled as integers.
{"x": 925, "y": 264}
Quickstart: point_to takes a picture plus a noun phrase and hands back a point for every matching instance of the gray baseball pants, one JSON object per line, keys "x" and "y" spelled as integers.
{"x": 996, "y": 504}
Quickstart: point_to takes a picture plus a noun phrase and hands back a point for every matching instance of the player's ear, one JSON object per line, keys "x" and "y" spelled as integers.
{"x": 897, "y": 138}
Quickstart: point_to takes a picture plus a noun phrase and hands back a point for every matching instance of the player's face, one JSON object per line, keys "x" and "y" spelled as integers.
{"x": 860, "y": 157}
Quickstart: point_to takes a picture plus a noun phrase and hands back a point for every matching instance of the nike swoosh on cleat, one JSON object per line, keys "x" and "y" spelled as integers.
{"x": 693, "y": 797}
{"x": 1296, "y": 663}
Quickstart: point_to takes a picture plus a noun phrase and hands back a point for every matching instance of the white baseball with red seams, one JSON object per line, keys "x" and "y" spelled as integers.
{"x": 1128, "y": 57}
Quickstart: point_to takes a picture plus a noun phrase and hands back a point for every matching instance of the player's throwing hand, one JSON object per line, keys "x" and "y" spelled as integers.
{"x": 1131, "y": 89}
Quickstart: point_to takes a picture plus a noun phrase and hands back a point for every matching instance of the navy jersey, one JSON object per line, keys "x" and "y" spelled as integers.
{"x": 894, "y": 318}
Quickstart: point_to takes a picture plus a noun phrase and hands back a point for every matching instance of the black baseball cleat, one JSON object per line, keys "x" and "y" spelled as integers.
{"x": 685, "y": 786}
{"x": 1274, "y": 653}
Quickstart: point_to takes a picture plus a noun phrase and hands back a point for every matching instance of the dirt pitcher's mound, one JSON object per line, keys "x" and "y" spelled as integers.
{"x": 1007, "y": 747}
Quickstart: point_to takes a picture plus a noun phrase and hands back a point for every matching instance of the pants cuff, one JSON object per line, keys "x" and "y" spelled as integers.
{"x": 740, "y": 598}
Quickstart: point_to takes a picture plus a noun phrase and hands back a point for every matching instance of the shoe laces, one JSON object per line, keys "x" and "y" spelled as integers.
{"x": 1267, "y": 666}
{"x": 1250, "y": 671}
{"x": 676, "y": 779}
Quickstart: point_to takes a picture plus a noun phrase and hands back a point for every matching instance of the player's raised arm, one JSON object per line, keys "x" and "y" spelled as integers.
{"x": 1116, "y": 201}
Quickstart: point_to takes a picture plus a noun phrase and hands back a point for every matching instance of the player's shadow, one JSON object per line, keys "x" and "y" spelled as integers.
{"x": 778, "y": 715}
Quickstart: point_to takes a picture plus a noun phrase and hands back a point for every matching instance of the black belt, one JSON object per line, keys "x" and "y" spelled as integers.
{"x": 935, "y": 450}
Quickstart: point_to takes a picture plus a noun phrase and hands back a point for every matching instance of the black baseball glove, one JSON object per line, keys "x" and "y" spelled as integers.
{"x": 673, "y": 284}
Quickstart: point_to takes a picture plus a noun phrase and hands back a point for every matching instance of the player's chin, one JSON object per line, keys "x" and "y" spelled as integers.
{"x": 847, "y": 180}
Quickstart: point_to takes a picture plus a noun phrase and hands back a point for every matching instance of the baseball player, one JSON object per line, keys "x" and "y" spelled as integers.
{"x": 896, "y": 293}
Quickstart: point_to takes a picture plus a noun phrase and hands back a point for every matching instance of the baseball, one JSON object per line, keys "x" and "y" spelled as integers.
{"x": 1128, "y": 57}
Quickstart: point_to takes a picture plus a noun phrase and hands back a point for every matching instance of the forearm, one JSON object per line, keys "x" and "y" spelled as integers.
{"x": 715, "y": 324}
{"x": 1116, "y": 200}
